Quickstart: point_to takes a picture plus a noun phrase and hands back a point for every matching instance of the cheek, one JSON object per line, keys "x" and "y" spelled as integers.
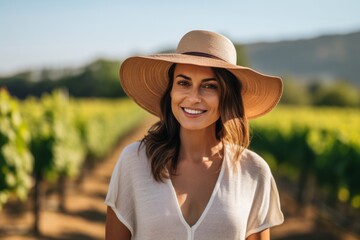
{"x": 215, "y": 101}
{"x": 218, "y": 111}
{"x": 173, "y": 93}
{"x": 176, "y": 96}
{"x": 172, "y": 98}
{"x": 174, "y": 102}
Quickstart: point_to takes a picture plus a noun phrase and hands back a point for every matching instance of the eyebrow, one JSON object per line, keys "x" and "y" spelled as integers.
{"x": 189, "y": 78}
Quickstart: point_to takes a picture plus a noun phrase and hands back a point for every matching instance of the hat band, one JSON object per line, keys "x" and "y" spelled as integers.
{"x": 201, "y": 54}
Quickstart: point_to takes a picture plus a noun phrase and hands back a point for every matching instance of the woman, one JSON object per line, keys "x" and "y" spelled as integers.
{"x": 192, "y": 176}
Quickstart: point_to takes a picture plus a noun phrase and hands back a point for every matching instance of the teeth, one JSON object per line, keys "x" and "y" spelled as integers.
{"x": 193, "y": 111}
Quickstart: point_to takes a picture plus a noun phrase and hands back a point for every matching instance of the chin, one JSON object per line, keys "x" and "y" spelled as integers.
{"x": 195, "y": 127}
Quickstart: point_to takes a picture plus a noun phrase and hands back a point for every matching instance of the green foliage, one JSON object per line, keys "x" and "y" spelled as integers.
{"x": 295, "y": 93}
{"x": 16, "y": 162}
{"x": 55, "y": 144}
{"x": 64, "y": 133}
{"x": 324, "y": 142}
{"x": 97, "y": 79}
{"x": 339, "y": 93}
{"x": 103, "y": 123}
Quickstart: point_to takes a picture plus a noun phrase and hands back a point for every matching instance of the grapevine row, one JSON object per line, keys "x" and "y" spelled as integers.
{"x": 47, "y": 139}
{"x": 314, "y": 143}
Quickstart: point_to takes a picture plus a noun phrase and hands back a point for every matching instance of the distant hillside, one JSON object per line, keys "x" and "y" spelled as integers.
{"x": 326, "y": 57}
{"x": 332, "y": 56}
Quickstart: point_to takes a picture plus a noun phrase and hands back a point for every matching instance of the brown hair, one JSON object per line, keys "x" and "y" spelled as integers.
{"x": 162, "y": 143}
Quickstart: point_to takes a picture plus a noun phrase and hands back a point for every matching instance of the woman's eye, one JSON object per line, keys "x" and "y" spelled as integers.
{"x": 183, "y": 83}
{"x": 211, "y": 86}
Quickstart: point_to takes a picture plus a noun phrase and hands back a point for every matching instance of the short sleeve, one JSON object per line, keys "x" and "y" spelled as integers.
{"x": 120, "y": 195}
{"x": 265, "y": 211}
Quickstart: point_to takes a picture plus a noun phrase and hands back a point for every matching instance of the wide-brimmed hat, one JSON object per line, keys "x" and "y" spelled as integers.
{"x": 145, "y": 78}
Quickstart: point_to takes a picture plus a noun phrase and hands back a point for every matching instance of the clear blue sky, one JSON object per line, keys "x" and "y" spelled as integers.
{"x": 66, "y": 33}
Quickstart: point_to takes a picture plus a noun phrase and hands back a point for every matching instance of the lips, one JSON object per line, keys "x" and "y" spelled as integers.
{"x": 193, "y": 111}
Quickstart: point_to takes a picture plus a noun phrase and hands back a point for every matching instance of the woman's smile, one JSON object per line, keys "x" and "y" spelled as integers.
{"x": 192, "y": 111}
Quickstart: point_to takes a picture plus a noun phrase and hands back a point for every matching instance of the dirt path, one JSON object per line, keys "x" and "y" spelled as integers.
{"x": 86, "y": 214}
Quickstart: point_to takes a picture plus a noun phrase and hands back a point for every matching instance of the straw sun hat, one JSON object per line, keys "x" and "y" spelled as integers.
{"x": 145, "y": 78}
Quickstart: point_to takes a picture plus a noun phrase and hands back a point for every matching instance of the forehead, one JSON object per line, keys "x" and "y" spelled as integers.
{"x": 194, "y": 71}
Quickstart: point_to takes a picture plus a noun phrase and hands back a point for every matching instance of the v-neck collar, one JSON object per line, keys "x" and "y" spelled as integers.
{"x": 208, "y": 205}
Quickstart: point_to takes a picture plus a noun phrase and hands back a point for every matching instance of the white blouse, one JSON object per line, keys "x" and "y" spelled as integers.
{"x": 244, "y": 201}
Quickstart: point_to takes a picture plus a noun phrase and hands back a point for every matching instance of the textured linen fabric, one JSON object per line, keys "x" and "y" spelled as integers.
{"x": 244, "y": 201}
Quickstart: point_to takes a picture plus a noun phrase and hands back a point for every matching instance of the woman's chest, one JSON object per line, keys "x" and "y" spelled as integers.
{"x": 193, "y": 190}
{"x": 224, "y": 215}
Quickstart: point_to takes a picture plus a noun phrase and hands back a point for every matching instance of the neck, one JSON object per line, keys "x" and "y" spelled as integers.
{"x": 200, "y": 145}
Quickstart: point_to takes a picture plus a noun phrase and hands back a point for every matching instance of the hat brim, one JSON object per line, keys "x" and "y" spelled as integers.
{"x": 145, "y": 78}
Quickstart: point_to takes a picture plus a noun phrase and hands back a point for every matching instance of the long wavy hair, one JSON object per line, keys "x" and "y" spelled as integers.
{"x": 162, "y": 142}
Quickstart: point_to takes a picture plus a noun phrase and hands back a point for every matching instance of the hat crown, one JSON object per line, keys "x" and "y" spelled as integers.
{"x": 208, "y": 43}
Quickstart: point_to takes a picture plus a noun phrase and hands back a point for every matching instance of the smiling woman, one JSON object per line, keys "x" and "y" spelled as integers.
{"x": 192, "y": 176}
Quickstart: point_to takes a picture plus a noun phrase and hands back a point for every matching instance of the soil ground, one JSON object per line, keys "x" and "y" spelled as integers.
{"x": 86, "y": 211}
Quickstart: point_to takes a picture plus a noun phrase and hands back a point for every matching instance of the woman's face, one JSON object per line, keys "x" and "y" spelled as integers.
{"x": 195, "y": 96}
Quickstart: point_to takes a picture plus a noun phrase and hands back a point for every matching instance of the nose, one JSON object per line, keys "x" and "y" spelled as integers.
{"x": 194, "y": 96}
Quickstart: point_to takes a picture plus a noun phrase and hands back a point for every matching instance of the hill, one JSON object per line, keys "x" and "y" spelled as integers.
{"x": 324, "y": 57}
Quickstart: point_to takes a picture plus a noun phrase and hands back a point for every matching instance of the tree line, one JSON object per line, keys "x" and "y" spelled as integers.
{"x": 99, "y": 79}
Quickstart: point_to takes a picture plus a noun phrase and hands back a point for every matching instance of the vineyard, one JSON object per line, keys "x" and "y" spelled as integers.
{"x": 314, "y": 152}
{"x": 317, "y": 150}
{"x": 49, "y": 140}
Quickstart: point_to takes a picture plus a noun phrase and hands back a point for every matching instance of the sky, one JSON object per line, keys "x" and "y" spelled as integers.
{"x": 70, "y": 33}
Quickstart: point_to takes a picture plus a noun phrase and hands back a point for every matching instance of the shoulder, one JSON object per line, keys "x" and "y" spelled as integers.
{"x": 252, "y": 159}
{"x": 133, "y": 150}
{"x": 253, "y": 164}
{"x": 132, "y": 155}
